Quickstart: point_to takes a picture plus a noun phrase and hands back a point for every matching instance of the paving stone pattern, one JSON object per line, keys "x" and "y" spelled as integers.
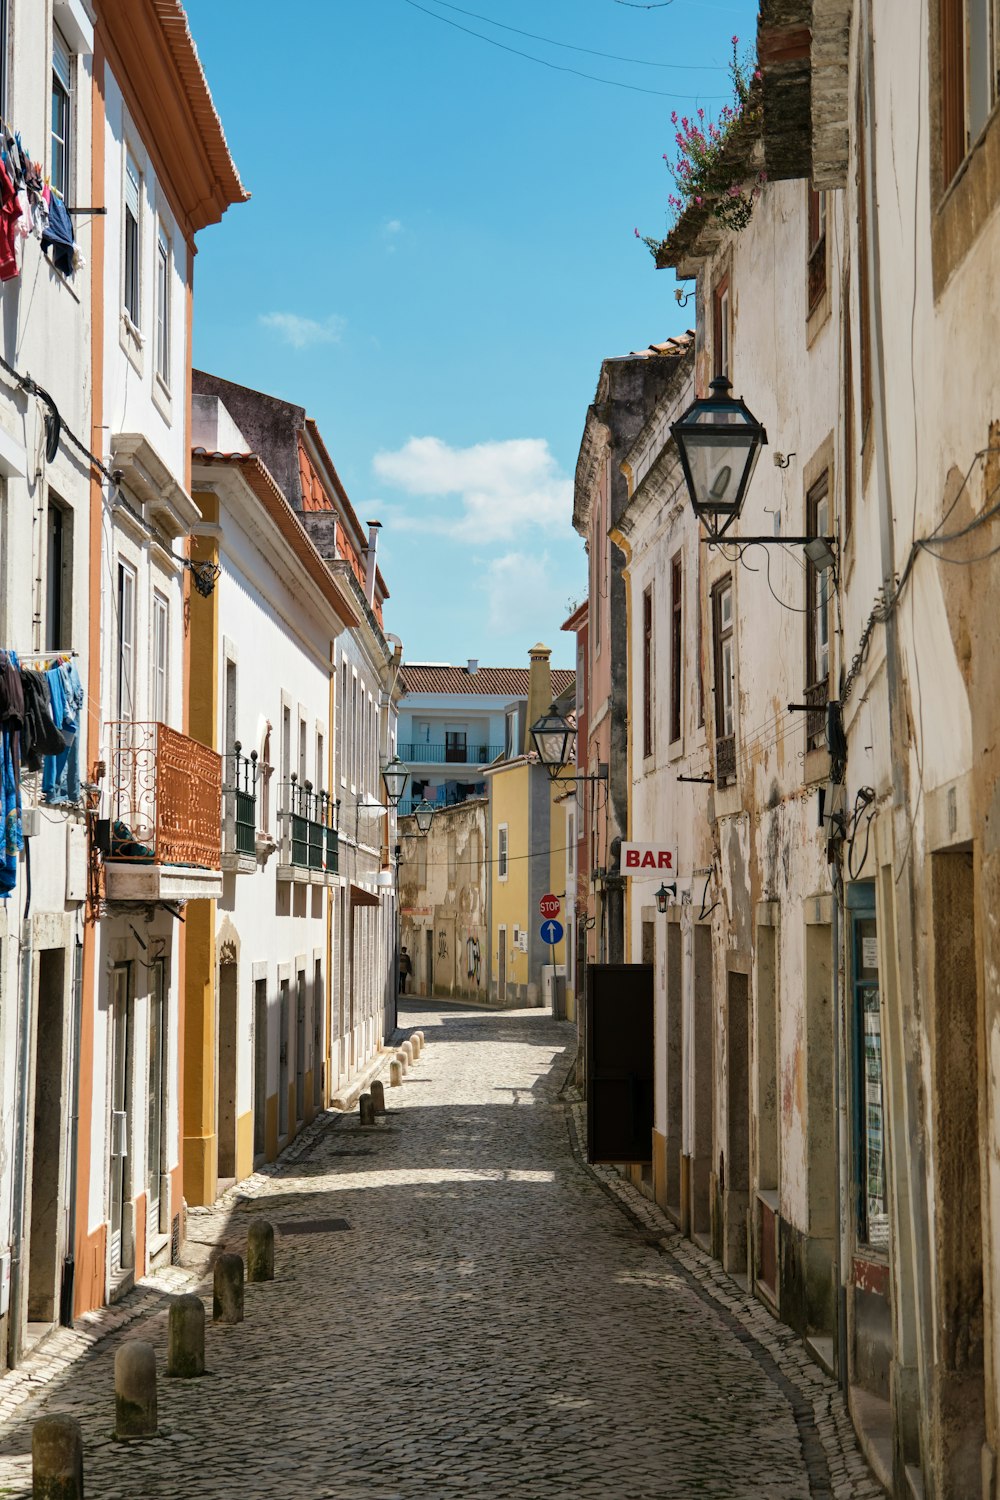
{"x": 498, "y": 1320}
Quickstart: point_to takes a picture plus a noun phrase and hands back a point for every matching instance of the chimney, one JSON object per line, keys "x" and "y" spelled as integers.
{"x": 539, "y": 689}
{"x": 374, "y": 527}
{"x": 473, "y": 666}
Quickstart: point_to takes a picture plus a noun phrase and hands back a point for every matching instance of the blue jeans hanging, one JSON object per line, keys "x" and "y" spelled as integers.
{"x": 61, "y": 774}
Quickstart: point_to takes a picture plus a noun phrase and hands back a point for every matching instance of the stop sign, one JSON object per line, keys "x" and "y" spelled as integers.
{"x": 549, "y": 906}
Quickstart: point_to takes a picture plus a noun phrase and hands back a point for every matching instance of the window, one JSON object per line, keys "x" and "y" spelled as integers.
{"x": 320, "y": 768}
{"x": 969, "y": 84}
{"x": 3, "y": 57}
{"x": 872, "y": 1204}
{"x": 647, "y": 673}
{"x": 161, "y": 649}
{"x": 266, "y": 772}
{"x": 720, "y": 329}
{"x": 864, "y": 288}
{"x": 353, "y": 749}
{"x": 341, "y": 723}
{"x": 132, "y": 266}
{"x": 511, "y": 747}
{"x": 676, "y": 646}
{"x": 303, "y": 768}
{"x": 163, "y": 307}
{"x": 61, "y": 115}
{"x": 502, "y": 858}
{"x": 126, "y": 641}
{"x": 817, "y": 618}
{"x": 59, "y": 577}
{"x": 816, "y": 249}
{"x": 725, "y": 682}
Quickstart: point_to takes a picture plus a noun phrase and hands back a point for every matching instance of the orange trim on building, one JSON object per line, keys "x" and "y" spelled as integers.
{"x": 89, "y": 1249}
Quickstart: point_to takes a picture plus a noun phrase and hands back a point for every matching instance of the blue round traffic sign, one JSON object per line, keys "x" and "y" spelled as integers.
{"x": 552, "y": 932}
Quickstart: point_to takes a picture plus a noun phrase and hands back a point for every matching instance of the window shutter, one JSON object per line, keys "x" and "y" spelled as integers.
{"x": 132, "y": 188}
{"x": 61, "y": 58}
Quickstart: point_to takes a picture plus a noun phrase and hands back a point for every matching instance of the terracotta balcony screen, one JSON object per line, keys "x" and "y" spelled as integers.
{"x": 167, "y": 789}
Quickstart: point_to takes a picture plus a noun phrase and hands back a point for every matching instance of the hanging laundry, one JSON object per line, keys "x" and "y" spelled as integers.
{"x": 61, "y": 773}
{"x": 40, "y": 735}
{"x": 58, "y": 234}
{"x": 10, "y": 212}
{"x": 11, "y": 833}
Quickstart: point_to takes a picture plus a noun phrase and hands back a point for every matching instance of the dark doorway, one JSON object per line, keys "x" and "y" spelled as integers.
{"x": 47, "y": 1132}
{"x": 620, "y": 1063}
{"x": 958, "y": 1430}
{"x": 319, "y": 1006}
{"x": 674, "y": 1082}
{"x": 300, "y": 1045}
{"x": 228, "y": 1001}
{"x": 283, "y": 1061}
{"x": 259, "y": 1067}
{"x": 736, "y": 1197}
{"x": 701, "y": 1049}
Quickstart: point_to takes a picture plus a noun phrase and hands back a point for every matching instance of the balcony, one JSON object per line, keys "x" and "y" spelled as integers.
{"x": 239, "y": 825}
{"x": 455, "y": 754}
{"x": 163, "y": 841}
{"x": 310, "y": 843}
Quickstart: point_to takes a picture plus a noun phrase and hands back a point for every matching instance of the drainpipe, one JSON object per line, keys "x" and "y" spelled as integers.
{"x": 69, "y": 1261}
{"x": 21, "y": 1134}
{"x": 374, "y": 527}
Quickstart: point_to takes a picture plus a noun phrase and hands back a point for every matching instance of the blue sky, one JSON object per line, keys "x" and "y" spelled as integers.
{"x": 438, "y": 254}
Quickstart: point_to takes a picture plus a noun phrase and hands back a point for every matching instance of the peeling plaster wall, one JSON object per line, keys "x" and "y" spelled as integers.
{"x": 443, "y": 888}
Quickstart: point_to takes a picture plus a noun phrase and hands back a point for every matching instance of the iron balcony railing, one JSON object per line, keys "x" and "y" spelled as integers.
{"x": 311, "y": 818}
{"x": 240, "y": 789}
{"x": 165, "y": 796}
{"x": 453, "y": 755}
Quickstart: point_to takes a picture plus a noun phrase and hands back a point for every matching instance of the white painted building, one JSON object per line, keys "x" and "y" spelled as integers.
{"x": 45, "y": 548}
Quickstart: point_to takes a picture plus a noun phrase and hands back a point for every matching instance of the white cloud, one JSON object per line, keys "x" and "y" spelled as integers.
{"x": 393, "y": 226}
{"x": 516, "y": 584}
{"x": 301, "y": 332}
{"x": 501, "y": 487}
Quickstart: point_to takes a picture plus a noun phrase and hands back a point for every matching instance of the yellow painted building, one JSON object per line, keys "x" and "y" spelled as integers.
{"x": 527, "y": 861}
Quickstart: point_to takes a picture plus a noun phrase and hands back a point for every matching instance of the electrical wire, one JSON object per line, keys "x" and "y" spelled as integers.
{"x": 634, "y": 88}
{"x": 641, "y": 62}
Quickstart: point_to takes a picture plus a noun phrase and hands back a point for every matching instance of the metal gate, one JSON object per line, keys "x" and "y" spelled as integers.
{"x": 620, "y": 1063}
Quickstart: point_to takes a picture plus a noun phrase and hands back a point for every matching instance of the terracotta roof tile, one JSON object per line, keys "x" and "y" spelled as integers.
{"x": 507, "y": 682}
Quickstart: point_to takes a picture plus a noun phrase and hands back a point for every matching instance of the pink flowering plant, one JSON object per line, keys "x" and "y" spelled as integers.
{"x": 708, "y": 167}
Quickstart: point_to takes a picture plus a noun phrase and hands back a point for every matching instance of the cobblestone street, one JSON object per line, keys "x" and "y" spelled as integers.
{"x": 491, "y": 1323}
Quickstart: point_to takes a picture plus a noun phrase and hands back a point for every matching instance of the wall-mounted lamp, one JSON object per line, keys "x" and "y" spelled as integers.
{"x": 394, "y": 779}
{"x": 664, "y": 895}
{"x": 555, "y": 745}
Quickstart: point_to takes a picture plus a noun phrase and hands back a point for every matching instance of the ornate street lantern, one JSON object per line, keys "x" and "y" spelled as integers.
{"x": 553, "y": 735}
{"x": 719, "y": 441}
{"x": 394, "y": 778}
{"x": 424, "y": 814}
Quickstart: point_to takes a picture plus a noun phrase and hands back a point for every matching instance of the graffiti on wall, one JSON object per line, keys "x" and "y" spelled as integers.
{"x": 472, "y": 959}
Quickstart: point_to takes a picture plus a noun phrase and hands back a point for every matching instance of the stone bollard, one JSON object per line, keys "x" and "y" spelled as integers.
{"x": 421, "y": 1038}
{"x": 366, "y": 1109}
{"x": 135, "y": 1390}
{"x": 404, "y": 1061}
{"x": 407, "y": 1051}
{"x": 227, "y": 1302}
{"x": 186, "y": 1337}
{"x": 378, "y": 1096}
{"x": 414, "y": 1042}
{"x": 56, "y": 1459}
{"x": 395, "y": 1073}
{"x": 260, "y": 1251}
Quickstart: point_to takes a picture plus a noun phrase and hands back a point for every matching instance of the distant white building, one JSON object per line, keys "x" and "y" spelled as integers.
{"x": 455, "y": 721}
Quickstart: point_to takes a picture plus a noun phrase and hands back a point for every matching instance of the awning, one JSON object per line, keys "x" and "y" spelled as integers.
{"x": 361, "y": 897}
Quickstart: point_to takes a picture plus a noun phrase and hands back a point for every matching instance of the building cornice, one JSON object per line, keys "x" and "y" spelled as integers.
{"x": 153, "y": 58}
